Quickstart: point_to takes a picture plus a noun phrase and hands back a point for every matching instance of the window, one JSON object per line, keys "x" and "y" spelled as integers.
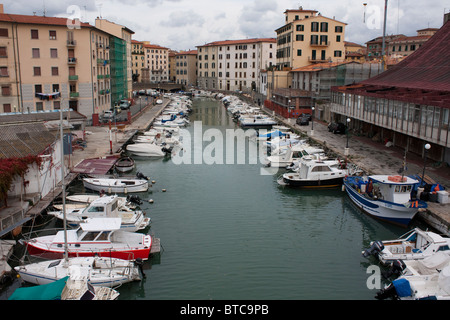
{"x": 52, "y": 34}
{"x": 338, "y": 29}
{"x": 299, "y": 52}
{"x": 314, "y": 39}
{"x": 3, "y": 52}
{"x": 54, "y": 53}
{"x": 6, "y": 90}
{"x": 338, "y": 38}
{"x": 338, "y": 53}
{"x": 34, "y": 34}
{"x": 36, "y": 71}
{"x": 3, "y": 32}
{"x": 35, "y": 53}
{"x": 324, "y": 27}
{"x": 55, "y": 71}
{"x": 39, "y": 106}
{"x": 6, "y": 107}
{"x": 300, "y": 27}
{"x": 4, "y": 72}
{"x": 55, "y": 88}
{"x": 314, "y": 26}
{"x": 56, "y": 105}
{"x": 299, "y": 37}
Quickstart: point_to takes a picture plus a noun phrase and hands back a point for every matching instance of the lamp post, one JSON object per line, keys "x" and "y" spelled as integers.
{"x": 426, "y": 147}
{"x": 346, "y": 128}
{"x": 312, "y": 121}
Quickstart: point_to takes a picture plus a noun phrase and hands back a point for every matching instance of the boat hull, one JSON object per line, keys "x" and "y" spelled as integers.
{"x": 387, "y": 211}
{"x": 329, "y": 183}
{"x": 111, "y": 188}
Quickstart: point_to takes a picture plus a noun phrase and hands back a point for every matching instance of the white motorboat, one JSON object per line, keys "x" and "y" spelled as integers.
{"x": 105, "y": 207}
{"x": 116, "y": 185}
{"x": 96, "y": 236}
{"x": 99, "y": 271}
{"x": 316, "y": 174}
{"x": 390, "y": 200}
{"x": 257, "y": 121}
{"x": 434, "y": 286}
{"x": 416, "y": 244}
{"x": 148, "y": 150}
{"x": 288, "y": 155}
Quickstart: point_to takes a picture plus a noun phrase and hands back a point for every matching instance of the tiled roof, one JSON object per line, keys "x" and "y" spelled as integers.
{"x": 154, "y": 46}
{"x": 243, "y": 41}
{"x": 187, "y": 52}
{"x": 320, "y": 66}
{"x": 19, "y": 18}
{"x": 20, "y": 140}
{"x": 428, "y": 68}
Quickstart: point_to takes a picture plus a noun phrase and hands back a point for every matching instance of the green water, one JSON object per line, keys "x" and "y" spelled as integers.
{"x": 229, "y": 232}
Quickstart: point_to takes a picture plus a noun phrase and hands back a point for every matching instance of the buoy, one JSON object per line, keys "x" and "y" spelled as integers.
{"x": 163, "y": 190}
{"x": 343, "y": 187}
{"x": 125, "y": 191}
{"x": 150, "y": 201}
{"x": 109, "y": 190}
{"x": 153, "y": 181}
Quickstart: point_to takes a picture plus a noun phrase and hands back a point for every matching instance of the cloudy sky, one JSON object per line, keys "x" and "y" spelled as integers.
{"x": 185, "y": 24}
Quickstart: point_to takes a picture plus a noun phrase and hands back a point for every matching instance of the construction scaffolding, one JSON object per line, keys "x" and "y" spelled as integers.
{"x": 118, "y": 59}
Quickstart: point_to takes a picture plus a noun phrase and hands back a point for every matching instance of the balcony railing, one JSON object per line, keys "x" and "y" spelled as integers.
{"x": 319, "y": 59}
{"x": 72, "y": 60}
{"x": 102, "y": 61}
{"x": 74, "y": 94}
{"x": 73, "y": 78}
{"x": 71, "y": 43}
{"x": 319, "y": 43}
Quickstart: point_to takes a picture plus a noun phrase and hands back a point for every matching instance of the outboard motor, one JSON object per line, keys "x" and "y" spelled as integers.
{"x": 396, "y": 269}
{"x": 376, "y": 247}
{"x": 167, "y": 150}
{"x": 387, "y": 293}
{"x": 134, "y": 199}
{"x": 139, "y": 263}
{"x": 141, "y": 176}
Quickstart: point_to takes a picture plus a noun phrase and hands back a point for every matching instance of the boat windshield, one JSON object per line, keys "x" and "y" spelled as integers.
{"x": 96, "y": 209}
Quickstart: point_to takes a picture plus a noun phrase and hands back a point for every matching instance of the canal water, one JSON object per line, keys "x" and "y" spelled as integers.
{"x": 229, "y": 231}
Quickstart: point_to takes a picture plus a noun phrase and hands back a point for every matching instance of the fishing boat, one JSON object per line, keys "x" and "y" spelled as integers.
{"x": 316, "y": 174}
{"x": 67, "y": 288}
{"x": 116, "y": 185}
{"x": 99, "y": 271}
{"x": 390, "y": 197}
{"x": 416, "y": 244}
{"x": 124, "y": 164}
{"x": 96, "y": 236}
{"x": 105, "y": 207}
{"x": 148, "y": 150}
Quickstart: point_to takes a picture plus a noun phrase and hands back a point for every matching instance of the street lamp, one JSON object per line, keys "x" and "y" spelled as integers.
{"x": 346, "y": 128}
{"x": 427, "y": 147}
{"x": 312, "y": 118}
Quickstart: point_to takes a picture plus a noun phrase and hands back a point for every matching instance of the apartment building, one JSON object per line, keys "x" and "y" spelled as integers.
{"x": 121, "y": 59}
{"x": 137, "y": 60}
{"x": 46, "y": 64}
{"x": 234, "y": 64}
{"x": 186, "y": 68}
{"x": 404, "y": 46}
{"x": 308, "y": 37}
{"x": 156, "y": 63}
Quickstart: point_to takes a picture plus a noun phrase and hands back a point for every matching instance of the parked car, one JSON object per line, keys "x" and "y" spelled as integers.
{"x": 108, "y": 115}
{"x": 337, "y": 127}
{"x": 302, "y": 121}
{"x": 159, "y": 101}
{"x": 125, "y": 104}
{"x": 307, "y": 115}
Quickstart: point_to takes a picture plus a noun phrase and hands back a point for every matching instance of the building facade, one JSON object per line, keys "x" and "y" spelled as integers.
{"x": 47, "y": 65}
{"x": 186, "y": 68}
{"x": 137, "y": 60}
{"x": 308, "y": 37}
{"x": 234, "y": 65}
{"x": 156, "y": 63}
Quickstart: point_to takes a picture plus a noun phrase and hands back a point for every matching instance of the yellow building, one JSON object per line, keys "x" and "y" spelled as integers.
{"x": 186, "y": 68}
{"x": 308, "y": 37}
{"x": 49, "y": 63}
{"x": 156, "y": 63}
{"x": 137, "y": 60}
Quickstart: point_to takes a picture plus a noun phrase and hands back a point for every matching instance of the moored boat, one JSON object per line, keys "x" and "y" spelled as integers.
{"x": 124, "y": 164}
{"x": 416, "y": 244}
{"x": 385, "y": 197}
{"x": 116, "y": 185}
{"x": 96, "y": 236}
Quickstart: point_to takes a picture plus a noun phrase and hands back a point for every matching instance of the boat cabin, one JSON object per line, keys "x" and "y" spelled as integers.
{"x": 98, "y": 229}
{"x": 395, "y": 189}
{"x": 106, "y": 206}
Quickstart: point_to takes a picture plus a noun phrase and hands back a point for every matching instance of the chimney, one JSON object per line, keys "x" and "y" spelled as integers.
{"x": 1, "y": 8}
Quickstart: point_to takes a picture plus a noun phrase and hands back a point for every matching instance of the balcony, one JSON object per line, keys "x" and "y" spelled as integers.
{"x": 73, "y": 78}
{"x": 74, "y": 95}
{"x": 71, "y": 43}
{"x": 72, "y": 60}
{"x": 102, "y": 61}
{"x": 319, "y": 43}
{"x": 319, "y": 59}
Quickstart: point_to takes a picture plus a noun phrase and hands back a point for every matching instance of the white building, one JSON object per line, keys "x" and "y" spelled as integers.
{"x": 234, "y": 65}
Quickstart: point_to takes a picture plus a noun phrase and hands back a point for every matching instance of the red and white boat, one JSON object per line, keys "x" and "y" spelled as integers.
{"x": 95, "y": 236}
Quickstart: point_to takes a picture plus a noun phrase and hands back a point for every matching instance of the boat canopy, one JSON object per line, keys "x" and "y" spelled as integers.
{"x": 103, "y": 224}
{"x": 51, "y": 291}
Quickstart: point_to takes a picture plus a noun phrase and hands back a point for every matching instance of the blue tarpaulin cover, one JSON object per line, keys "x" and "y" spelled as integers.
{"x": 402, "y": 287}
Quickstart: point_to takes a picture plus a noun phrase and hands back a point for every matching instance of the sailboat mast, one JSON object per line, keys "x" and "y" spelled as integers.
{"x": 63, "y": 186}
